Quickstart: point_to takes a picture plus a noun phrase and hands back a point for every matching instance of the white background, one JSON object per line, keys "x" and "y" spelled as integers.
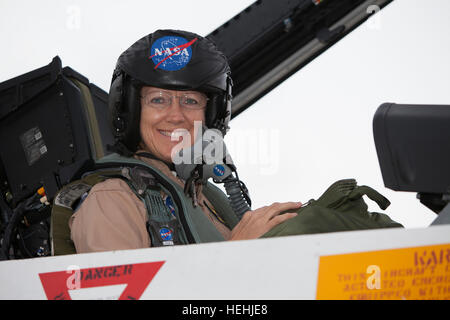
{"x": 313, "y": 129}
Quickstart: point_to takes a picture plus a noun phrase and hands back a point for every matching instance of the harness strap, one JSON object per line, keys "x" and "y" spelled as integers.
{"x": 189, "y": 226}
{"x": 374, "y": 195}
{"x": 162, "y": 226}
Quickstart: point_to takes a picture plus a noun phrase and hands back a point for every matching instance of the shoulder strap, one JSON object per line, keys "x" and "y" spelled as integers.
{"x": 63, "y": 208}
{"x": 347, "y": 189}
{"x": 163, "y": 227}
{"x": 374, "y": 195}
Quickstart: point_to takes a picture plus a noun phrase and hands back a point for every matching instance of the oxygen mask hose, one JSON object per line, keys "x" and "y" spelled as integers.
{"x": 238, "y": 195}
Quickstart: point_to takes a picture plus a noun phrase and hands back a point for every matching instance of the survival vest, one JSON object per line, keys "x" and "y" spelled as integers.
{"x": 340, "y": 208}
{"x": 190, "y": 225}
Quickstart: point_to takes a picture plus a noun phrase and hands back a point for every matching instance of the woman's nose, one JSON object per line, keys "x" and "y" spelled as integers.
{"x": 175, "y": 112}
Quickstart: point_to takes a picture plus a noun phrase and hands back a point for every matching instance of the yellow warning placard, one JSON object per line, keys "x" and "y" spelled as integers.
{"x": 397, "y": 274}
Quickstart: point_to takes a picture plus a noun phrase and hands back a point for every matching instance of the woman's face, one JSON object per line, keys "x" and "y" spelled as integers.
{"x": 166, "y": 111}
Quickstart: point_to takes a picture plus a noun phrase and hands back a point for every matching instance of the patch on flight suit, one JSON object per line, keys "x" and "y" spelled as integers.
{"x": 67, "y": 196}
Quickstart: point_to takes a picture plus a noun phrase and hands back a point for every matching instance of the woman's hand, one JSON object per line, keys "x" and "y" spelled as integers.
{"x": 257, "y": 222}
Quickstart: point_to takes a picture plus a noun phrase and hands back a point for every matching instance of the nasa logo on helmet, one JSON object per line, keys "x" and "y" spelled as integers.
{"x": 171, "y": 53}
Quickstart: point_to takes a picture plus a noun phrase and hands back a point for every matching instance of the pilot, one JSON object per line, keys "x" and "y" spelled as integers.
{"x": 165, "y": 83}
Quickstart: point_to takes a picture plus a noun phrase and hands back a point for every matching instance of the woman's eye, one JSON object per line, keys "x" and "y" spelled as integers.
{"x": 158, "y": 100}
{"x": 190, "y": 101}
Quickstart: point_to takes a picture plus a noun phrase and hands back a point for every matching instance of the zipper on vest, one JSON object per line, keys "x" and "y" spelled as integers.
{"x": 215, "y": 214}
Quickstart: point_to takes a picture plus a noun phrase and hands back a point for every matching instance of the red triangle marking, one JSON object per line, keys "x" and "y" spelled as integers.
{"x": 137, "y": 277}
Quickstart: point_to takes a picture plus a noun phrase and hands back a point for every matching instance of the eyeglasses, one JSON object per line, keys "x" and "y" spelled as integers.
{"x": 189, "y": 100}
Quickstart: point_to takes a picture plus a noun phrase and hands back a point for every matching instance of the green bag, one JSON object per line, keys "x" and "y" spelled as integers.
{"x": 340, "y": 208}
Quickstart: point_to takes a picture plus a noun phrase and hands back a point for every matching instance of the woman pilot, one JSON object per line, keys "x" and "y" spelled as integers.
{"x": 165, "y": 83}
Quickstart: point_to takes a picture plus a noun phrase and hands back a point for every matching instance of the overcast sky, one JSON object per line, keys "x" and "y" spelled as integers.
{"x": 312, "y": 130}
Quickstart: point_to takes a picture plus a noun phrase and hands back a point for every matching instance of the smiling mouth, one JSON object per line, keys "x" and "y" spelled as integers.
{"x": 166, "y": 133}
{"x": 175, "y": 135}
